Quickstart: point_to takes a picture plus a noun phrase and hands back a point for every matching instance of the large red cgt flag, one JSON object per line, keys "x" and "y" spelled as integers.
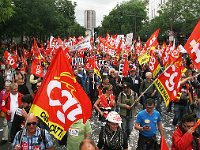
{"x": 168, "y": 83}
{"x": 193, "y": 46}
{"x": 61, "y": 100}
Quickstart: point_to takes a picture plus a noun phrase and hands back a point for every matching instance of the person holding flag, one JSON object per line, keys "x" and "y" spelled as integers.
{"x": 185, "y": 136}
{"x": 105, "y": 103}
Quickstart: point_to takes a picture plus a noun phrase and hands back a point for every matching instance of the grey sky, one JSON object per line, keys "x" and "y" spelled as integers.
{"x": 102, "y": 8}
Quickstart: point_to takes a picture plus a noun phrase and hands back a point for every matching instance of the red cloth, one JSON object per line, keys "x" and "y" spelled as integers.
{"x": 164, "y": 145}
{"x": 7, "y": 99}
{"x": 182, "y": 141}
{"x": 104, "y": 103}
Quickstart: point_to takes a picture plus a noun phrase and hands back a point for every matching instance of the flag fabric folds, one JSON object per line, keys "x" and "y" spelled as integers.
{"x": 126, "y": 68}
{"x": 11, "y": 60}
{"x": 168, "y": 83}
{"x": 163, "y": 144}
{"x": 60, "y": 100}
{"x": 36, "y": 69}
{"x": 193, "y": 46}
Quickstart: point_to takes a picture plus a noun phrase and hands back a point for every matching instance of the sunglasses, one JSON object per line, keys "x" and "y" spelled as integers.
{"x": 31, "y": 123}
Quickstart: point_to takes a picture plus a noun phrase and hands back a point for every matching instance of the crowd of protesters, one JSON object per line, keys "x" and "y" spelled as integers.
{"x": 115, "y": 101}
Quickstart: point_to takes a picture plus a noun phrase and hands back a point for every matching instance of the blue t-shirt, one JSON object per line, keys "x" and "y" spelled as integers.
{"x": 153, "y": 119}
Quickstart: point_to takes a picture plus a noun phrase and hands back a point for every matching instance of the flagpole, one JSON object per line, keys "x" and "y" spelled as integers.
{"x": 142, "y": 94}
{"x": 93, "y": 81}
{"x": 23, "y": 129}
{"x": 151, "y": 84}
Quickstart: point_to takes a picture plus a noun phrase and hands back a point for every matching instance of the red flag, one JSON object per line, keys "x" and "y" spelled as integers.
{"x": 126, "y": 68}
{"x": 11, "y": 60}
{"x": 35, "y": 49}
{"x": 152, "y": 41}
{"x": 36, "y": 69}
{"x": 60, "y": 100}
{"x": 26, "y": 53}
{"x": 193, "y": 46}
{"x": 138, "y": 47}
{"x": 154, "y": 65}
{"x": 164, "y": 145}
{"x": 168, "y": 83}
{"x": 119, "y": 48}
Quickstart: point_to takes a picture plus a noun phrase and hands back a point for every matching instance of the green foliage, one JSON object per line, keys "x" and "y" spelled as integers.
{"x": 40, "y": 18}
{"x": 180, "y": 16}
{"x": 6, "y": 10}
{"x": 124, "y": 18}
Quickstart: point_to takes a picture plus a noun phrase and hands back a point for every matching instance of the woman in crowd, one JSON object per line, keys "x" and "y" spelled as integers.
{"x": 105, "y": 103}
{"x": 112, "y": 137}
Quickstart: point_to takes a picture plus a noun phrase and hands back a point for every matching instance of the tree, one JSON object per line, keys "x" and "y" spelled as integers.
{"x": 39, "y": 18}
{"x": 180, "y": 16}
{"x": 125, "y": 18}
{"x": 6, "y": 10}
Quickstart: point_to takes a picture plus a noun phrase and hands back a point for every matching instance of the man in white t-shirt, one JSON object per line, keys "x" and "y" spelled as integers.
{"x": 11, "y": 101}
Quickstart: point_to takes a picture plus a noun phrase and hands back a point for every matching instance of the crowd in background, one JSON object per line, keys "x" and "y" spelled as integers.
{"x": 114, "y": 97}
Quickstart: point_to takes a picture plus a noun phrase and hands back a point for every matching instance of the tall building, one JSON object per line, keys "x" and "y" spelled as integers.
{"x": 153, "y": 6}
{"x": 90, "y": 19}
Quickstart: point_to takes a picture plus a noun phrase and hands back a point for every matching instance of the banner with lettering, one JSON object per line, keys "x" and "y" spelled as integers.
{"x": 60, "y": 100}
{"x": 168, "y": 83}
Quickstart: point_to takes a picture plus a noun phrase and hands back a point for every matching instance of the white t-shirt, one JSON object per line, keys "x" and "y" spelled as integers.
{"x": 13, "y": 105}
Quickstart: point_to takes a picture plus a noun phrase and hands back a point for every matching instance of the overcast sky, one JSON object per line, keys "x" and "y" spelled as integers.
{"x": 102, "y": 8}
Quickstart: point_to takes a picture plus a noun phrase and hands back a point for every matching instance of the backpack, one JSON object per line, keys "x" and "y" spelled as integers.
{"x": 41, "y": 136}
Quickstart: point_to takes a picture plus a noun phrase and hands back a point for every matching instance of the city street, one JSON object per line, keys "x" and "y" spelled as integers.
{"x": 166, "y": 119}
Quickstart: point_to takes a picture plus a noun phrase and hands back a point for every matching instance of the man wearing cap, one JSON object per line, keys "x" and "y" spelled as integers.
{"x": 134, "y": 80}
{"x": 126, "y": 99}
{"x": 151, "y": 92}
{"x": 111, "y": 136}
{"x": 20, "y": 115}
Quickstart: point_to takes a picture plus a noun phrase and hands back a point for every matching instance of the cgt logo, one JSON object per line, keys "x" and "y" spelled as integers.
{"x": 71, "y": 101}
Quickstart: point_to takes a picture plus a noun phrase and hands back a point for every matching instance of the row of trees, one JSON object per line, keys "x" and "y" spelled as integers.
{"x": 42, "y": 18}
{"x": 39, "y": 18}
{"x": 179, "y": 16}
